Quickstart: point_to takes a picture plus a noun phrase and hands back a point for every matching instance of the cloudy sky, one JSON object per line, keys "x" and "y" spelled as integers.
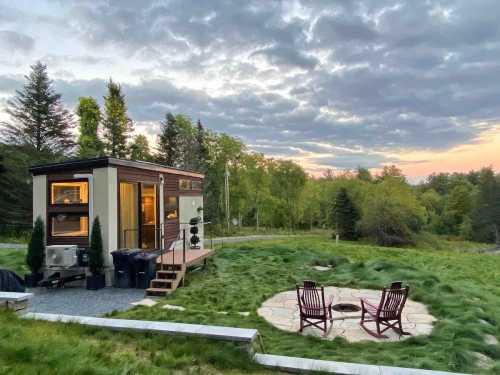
{"x": 330, "y": 84}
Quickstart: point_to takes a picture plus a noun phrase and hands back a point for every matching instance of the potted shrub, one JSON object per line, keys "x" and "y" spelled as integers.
{"x": 97, "y": 279}
{"x": 36, "y": 254}
{"x": 194, "y": 240}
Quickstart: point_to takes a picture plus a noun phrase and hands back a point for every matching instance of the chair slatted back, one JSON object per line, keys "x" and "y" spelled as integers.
{"x": 311, "y": 299}
{"x": 393, "y": 300}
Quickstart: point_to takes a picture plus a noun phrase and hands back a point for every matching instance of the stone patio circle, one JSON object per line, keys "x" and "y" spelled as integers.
{"x": 281, "y": 311}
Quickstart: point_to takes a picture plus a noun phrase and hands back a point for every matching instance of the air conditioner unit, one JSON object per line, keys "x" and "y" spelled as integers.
{"x": 61, "y": 256}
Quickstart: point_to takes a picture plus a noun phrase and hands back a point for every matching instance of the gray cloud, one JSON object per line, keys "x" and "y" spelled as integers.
{"x": 13, "y": 41}
{"x": 376, "y": 75}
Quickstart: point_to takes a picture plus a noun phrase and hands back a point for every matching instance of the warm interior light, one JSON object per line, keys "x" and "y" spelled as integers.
{"x": 69, "y": 192}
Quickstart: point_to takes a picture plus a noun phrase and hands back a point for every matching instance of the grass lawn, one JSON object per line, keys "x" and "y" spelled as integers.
{"x": 20, "y": 239}
{"x": 29, "y": 347}
{"x": 14, "y": 260}
{"x": 460, "y": 288}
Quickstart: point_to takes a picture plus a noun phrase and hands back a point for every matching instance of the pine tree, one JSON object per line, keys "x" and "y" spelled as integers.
{"x": 201, "y": 146}
{"x": 2, "y": 167}
{"x": 168, "y": 141}
{"x": 38, "y": 119}
{"x": 139, "y": 148}
{"x": 35, "y": 255}
{"x": 345, "y": 216}
{"x": 15, "y": 186}
{"x": 116, "y": 125}
{"x": 96, "y": 260}
{"x": 486, "y": 213}
{"x": 90, "y": 145}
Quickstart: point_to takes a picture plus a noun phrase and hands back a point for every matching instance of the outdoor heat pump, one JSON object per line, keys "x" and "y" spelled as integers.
{"x": 61, "y": 256}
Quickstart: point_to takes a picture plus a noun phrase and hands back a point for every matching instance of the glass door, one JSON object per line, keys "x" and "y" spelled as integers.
{"x": 129, "y": 215}
{"x": 148, "y": 216}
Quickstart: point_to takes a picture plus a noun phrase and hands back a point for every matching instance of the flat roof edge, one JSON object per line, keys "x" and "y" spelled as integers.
{"x": 107, "y": 162}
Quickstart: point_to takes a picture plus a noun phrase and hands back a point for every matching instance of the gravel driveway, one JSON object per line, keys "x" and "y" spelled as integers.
{"x": 80, "y": 301}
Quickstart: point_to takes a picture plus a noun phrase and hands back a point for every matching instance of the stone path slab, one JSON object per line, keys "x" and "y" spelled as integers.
{"x": 294, "y": 364}
{"x": 282, "y": 311}
{"x": 148, "y": 302}
{"x": 212, "y": 332}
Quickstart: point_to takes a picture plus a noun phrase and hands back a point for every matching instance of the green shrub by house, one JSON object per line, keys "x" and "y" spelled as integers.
{"x": 36, "y": 247}
{"x": 96, "y": 261}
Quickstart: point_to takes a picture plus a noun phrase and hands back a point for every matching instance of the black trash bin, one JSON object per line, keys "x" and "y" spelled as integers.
{"x": 124, "y": 267}
{"x": 145, "y": 269}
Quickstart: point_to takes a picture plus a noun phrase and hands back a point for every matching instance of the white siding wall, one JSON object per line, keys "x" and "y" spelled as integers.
{"x": 105, "y": 204}
{"x": 40, "y": 197}
{"x": 188, "y": 208}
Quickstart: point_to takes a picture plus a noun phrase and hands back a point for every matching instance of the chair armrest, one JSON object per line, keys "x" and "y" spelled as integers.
{"x": 329, "y": 301}
{"x": 364, "y": 301}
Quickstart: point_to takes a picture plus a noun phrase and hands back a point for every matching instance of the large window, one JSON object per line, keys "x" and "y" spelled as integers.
{"x": 148, "y": 216}
{"x": 129, "y": 215}
{"x": 69, "y": 192}
{"x": 69, "y": 225}
{"x": 68, "y": 209}
{"x": 171, "y": 208}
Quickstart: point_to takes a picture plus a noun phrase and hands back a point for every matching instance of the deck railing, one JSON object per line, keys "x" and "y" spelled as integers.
{"x": 173, "y": 245}
{"x": 181, "y": 236}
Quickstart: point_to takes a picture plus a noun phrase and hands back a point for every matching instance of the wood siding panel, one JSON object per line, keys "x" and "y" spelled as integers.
{"x": 171, "y": 232}
{"x": 129, "y": 174}
{"x": 172, "y": 184}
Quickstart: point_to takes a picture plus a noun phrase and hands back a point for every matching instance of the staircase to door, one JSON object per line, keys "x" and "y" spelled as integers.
{"x": 168, "y": 278}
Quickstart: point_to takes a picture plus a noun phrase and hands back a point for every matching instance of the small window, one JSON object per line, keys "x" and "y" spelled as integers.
{"x": 171, "y": 208}
{"x": 196, "y": 185}
{"x": 184, "y": 184}
{"x": 69, "y": 225}
{"x": 69, "y": 192}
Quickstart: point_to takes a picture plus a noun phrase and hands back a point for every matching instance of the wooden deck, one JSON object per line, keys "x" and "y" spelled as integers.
{"x": 193, "y": 257}
{"x": 171, "y": 269}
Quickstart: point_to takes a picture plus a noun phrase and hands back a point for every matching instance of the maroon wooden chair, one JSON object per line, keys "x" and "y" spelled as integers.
{"x": 313, "y": 308}
{"x": 388, "y": 311}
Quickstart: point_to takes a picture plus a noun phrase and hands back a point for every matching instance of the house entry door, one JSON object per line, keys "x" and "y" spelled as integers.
{"x": 149, "y": 227}
{"x": 129, "y": 215}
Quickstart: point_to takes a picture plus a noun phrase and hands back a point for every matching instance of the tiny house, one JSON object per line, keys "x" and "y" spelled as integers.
{"x": 140, "y": 205}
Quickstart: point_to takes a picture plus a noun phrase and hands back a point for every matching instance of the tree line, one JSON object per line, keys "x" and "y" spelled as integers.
{"x": 263, "y": 192}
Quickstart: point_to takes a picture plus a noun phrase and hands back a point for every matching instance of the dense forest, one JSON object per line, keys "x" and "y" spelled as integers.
{"x": 263, "y": 192}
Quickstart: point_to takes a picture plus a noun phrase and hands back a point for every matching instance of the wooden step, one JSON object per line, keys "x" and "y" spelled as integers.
{"x": 161, "y": 283}
{"x": 167, "y": 275}
{"x": 169, "y": 267}
{"x": 157, "y": 292}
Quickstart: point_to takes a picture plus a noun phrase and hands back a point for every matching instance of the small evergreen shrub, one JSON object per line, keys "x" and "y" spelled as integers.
{"x": 36, "y": 248}
{"x": 96, "y": 260}
{"x": 345, "y": 216}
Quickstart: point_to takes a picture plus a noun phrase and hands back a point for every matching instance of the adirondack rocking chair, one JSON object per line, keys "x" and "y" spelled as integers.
{"x": 388, "y": 311}
{"x": 313, "y": 309}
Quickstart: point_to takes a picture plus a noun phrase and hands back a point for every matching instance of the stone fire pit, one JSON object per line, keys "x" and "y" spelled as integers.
{"x": 281, "y": 311}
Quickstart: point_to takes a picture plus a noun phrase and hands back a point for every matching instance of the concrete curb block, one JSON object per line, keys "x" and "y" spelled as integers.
{"x": 242, "y": 335}
{"x": 300, "y": 365}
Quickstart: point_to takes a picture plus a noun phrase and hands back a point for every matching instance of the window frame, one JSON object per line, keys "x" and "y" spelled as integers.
{"x": 49, "y": 193}
{"x": 188, "y": 183}
{"x": 197, "y": 182}
{"x": 168, "y": 207}
{"x": 78, "y": 214}
{"x": 81, "y": 209}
